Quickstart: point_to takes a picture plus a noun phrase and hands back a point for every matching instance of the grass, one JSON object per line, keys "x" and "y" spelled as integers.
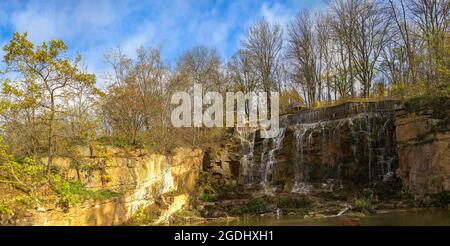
{"x": 73, "y": 192}
{"x": 115, "y": 141}
{"x": 5, "y": 209}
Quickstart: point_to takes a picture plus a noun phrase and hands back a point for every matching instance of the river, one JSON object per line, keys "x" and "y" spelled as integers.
{"x": 417, "y": 217}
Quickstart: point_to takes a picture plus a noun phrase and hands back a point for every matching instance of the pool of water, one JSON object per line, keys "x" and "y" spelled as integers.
{"x": 431, "y": 217}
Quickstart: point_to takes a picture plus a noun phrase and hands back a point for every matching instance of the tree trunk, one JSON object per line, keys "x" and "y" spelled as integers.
{"x": 50, "y": 133}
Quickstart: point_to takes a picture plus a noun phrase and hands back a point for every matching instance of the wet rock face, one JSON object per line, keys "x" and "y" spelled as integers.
{"x": 423, "y": 145}
{"x": 354, "y": 144}
{"x": 350, "y": 143}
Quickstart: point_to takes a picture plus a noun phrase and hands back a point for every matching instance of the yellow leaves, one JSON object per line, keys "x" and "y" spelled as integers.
{"x": 18, "y": 97}
{"x": 46, "y": 59}
{"x": 289, "y": 97}
{"x": 8, "y": 89}
{"x": 97, "y": 91}
{"x": 402, "y": 89}
{"x": 86, "y": 79}
{"x": 18, "y": 46}
{"x": 318, "y": 104}
{"x": 57, "y": 46}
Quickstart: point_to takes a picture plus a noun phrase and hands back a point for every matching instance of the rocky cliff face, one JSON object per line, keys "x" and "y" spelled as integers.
{"x": 317, "y": 151}
{"x": 423, "y": 146}
{"x": 354, "y": 144}
{"x": 139, "y": 177}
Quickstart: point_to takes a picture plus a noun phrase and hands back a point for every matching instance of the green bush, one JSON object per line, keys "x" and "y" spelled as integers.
{"x": 282, "y": 202}
{"x": 293, "y": 202}
{"x": 441, "y": 199}
{"x": 256, "y": 205}
{"x": 208, "y": 197}
{"x": 115, "y": 141}
{"x": 363, "y": 205}
{"x": 73, "y": 192}
{"x": 5, "y": 209}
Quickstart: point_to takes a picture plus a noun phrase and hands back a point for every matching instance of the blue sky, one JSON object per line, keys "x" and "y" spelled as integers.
{"x": 92, "y": 27}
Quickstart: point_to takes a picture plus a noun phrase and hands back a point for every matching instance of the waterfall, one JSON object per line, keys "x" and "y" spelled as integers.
{"x": 247, "y": 138}
{"x": 267, "y": 163}
{"x": 364, "y": 131}
{"x": 301, "y": 170}
{"x": 347, "y": 143}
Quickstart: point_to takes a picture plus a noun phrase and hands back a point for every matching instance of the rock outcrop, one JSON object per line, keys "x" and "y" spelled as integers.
{"x": 358, "y": 144}
{"x": 139, "y": 177}
{"x": 423, "y": 146}
{"x": 351, "y": 143}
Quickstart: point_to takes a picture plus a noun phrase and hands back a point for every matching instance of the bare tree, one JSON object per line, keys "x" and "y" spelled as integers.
{"x": 432, "y": 22}
{"x": 241, "y": 72}
{"x": 302, "y": 52}
{"x": 344, "y": 26}
{"x": 323, "y": 27}
{"x": 263, "y": 44}
{"x": 370, "y": 37}
{"x": 398, "y": 13}
{"x": 136, "y": 101}
{"x": 201, "y": 65}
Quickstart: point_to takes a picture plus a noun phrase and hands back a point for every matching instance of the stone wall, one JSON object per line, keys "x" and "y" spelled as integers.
{"x": 138, "y": 176}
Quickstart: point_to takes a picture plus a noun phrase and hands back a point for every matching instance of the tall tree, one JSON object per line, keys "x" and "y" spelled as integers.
{"x": 263, "y": 43}
{"x": 49, "y": 71}
{"x": 370, "y": 38}
{"x": 136, "y": 102}
{"x": 202, "y": 65}
{"x": 302, "y": 51}
{"x": 344, "y": 26}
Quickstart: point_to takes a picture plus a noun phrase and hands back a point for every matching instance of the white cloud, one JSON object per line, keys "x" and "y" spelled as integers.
{"x": 40, "y": 26}
{"x": 278, "y": 13}
{"x": 94, "y": 13}
{"x": 93, "y": 27}
{"x": 142, "y": 37}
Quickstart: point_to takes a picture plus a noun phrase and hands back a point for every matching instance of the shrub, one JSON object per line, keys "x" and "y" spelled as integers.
{"x": 73, "y": 192}
{"x": 208, "y": 197}
{"x": 303, "y": 202}
{"x": 282, "y": 202}
{"x": 5, "y": 209}
{"x": 226, "y": 192}
{"x": 363, "y": 205}
{"x": 293, "y": 202}
{"x": 441, "y": 199}
{"x": 256, "y": 205}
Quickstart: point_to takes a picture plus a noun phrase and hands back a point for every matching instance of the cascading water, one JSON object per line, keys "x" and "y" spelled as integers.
{"x": 267, "y": 163}
{"x": 367, "y": 135}
{"x": 301, "y": 185}
{"x": 247, "y": 138}
{"x": 348, "y": 143}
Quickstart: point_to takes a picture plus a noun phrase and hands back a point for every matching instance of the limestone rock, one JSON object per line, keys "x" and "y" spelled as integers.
{"x": 139, "y": 179}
